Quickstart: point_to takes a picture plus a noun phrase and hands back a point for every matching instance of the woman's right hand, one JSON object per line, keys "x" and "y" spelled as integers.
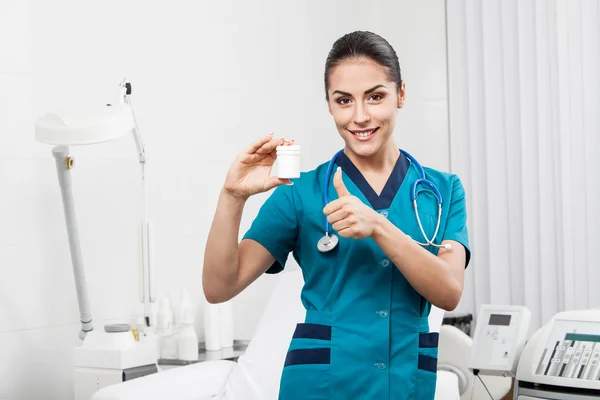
{"x": 250, "y": 173}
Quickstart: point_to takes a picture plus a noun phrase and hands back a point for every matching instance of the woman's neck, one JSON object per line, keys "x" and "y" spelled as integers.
{"x": 381, "y": 162}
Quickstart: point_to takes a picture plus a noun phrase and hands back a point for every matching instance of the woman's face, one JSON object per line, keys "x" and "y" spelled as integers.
{"x": 363, "y": 101}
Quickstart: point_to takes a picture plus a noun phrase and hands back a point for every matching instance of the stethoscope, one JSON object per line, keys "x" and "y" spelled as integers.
{"x": 329, "y": 242}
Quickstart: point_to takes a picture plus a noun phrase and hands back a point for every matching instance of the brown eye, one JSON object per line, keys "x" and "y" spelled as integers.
{"x": 377, "y": 97}
{"x": 343, "y": 101}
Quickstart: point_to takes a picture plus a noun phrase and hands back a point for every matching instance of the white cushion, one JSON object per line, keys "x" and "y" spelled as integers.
{"x": 446, "y": 386}
{"x": 193, "y": 382}
{"x": 436, "y": 316}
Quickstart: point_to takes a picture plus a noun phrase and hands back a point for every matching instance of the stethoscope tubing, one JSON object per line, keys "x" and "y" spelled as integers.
{"x": 326, "y": 243}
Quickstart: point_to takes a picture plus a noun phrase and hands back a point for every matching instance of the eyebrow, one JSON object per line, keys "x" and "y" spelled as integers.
{"x": 366, "y": 91}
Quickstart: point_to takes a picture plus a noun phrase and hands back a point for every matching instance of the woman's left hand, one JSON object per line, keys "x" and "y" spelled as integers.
{"x": 349, "y": 216}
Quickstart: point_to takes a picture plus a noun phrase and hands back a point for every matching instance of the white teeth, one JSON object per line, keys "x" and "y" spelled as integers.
{"x": 364, "y": 134}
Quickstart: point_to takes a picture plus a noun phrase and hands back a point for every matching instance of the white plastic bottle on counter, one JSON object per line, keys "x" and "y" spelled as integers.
{"x": 164, "y": 317}
{"x": 167, "y": 337}
{"x": 212, "y": 326}
{"x": 226, "y": 310}
{"x": 187, "y": 345}
{"x": 185, "y": 302}
{"x": 175, "y": 302}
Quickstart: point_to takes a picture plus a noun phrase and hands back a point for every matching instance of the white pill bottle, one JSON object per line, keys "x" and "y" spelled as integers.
{"x": 288, "y": 161}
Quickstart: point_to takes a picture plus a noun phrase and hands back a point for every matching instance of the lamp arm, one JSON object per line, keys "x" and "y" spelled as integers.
{"x": 147, "y": 288}
{"x": 136, "y": 135}
{"x": 124, "y": 97}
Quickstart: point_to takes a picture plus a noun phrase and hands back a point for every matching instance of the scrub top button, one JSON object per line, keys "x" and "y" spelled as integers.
{"x": 382, "y": 313}
{"x": 380, "y": 365}
{"x": 385, "y": 262}
{"x": 384, "y": 213}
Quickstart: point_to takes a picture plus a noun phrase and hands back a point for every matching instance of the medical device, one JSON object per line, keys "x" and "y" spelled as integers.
{"x": 500, "y": 335}
{"x": 562, "y": 359}
{"x": 329, "y": 242}
{"x": 84, "y": 126}
{"x": 111, "y": 356}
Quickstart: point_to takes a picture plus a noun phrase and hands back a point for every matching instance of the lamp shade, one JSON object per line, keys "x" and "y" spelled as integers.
{"x": 81, "y": 126}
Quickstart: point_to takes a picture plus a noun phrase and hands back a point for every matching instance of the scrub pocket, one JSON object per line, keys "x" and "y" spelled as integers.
{"x": 306, "y": 371}
{"x": 426, "y": 373}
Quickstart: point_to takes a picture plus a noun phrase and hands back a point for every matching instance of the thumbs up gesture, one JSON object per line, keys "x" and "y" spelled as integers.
{"x": 338, "y": 184}
{"x": 349, "y": 216}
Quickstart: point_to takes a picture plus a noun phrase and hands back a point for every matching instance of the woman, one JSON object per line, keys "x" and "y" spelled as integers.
{"x": 367, "y": 300}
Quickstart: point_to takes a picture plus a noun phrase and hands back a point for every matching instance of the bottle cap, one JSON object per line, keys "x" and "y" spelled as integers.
{"x": 290, "y": 148}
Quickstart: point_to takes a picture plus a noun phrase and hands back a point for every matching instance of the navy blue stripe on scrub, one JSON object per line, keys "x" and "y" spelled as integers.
{"x": 312, "y": 331}
{"x": 308, "y": 356}
{"x": 275, "y": 268}
{"x": 427, "y": 363}
{"x": 428, "y": 340}
{"x": 384, "y": 200}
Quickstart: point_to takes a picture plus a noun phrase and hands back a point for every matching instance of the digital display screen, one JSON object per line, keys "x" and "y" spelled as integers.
{"x": 499, "y": 319}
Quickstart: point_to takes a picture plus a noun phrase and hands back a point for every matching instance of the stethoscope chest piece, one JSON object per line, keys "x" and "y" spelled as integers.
{"x": 327, "y": 243}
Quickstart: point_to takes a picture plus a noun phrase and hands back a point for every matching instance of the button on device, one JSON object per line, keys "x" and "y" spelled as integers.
{"x": 382, "y": 313}
{"x": 385, "y": 262}
{"x": 380, "y": 365}
{"x": 384, "y": 213}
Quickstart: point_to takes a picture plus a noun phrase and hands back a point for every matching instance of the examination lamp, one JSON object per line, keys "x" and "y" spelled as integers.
{"x": 86, "y": 126}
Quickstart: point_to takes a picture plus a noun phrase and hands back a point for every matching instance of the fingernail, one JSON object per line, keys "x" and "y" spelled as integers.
{"x": 338, "y": 169}
{"x": 290, "y": 184}
{"x": 271, "y": 133}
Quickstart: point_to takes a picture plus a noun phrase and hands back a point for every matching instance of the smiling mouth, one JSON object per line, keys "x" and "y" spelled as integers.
{"x": 364, "y": 133}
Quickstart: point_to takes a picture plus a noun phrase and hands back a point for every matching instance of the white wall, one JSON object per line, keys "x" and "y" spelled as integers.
{"x": 208, "y": 78}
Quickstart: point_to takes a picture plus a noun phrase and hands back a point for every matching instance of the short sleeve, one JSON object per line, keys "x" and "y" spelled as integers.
{"x": 276, "y": 226}
{"x": 456, "y": 226}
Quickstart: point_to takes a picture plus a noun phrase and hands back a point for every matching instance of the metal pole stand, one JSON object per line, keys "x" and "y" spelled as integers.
{"x": 64, "y": 164}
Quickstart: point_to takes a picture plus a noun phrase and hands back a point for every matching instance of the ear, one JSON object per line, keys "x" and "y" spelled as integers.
{"x": 329, "y": 107}
{"x": 401, "y": 94}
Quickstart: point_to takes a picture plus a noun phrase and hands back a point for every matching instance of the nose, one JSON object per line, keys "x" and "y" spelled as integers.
{"x": 361, "y": 114}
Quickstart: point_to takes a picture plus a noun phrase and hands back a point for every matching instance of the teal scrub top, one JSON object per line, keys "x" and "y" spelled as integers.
{"x": 366, "y": 333}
